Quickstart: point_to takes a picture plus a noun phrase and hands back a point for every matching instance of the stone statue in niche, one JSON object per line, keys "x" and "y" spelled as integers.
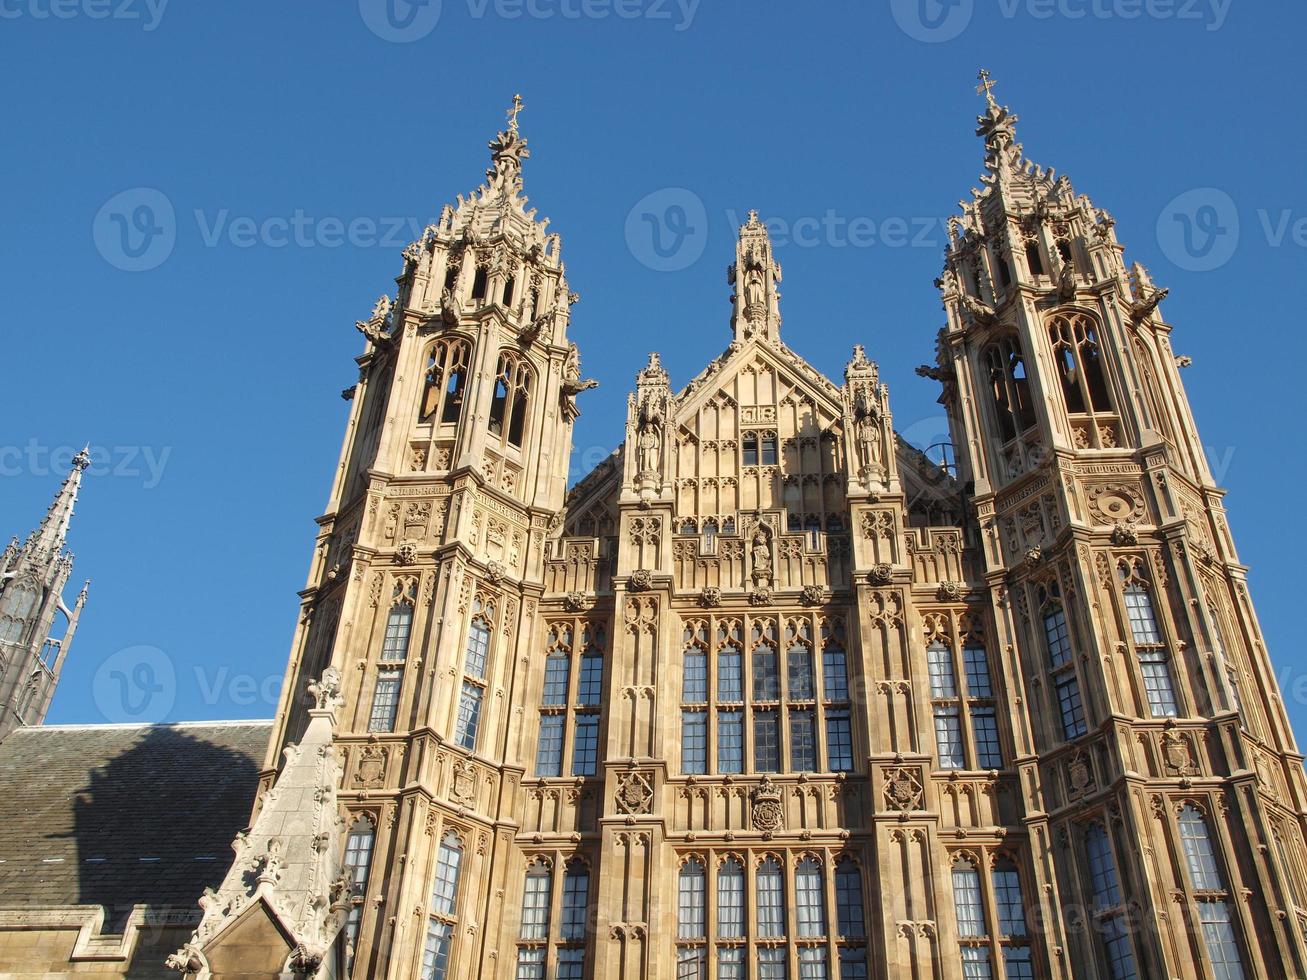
{"x": 761, "y": 548}
{"x": 649, "y": 438}
{"x": 755, "y": 293}
{"x": 867, "y": 434}
{"x": 649, "y": 443}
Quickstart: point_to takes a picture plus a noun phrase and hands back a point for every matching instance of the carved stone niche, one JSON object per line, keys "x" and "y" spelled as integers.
{"x": 768, "y": 813}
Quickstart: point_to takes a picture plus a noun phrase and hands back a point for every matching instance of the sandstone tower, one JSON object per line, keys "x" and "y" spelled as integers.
{"x": 33, "y": 577}
{"x": 769, "y": 694}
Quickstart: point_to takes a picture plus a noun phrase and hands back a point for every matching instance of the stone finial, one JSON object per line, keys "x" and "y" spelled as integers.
{"x": 507, "y": 151}
{"x": 326, "y": 691}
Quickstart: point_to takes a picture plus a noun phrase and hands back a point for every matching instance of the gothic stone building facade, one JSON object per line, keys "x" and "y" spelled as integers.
{"x": 769, "y": 694}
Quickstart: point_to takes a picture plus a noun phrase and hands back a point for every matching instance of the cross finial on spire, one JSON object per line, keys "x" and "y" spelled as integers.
{"x": 513, "y": 113}
{"x": 986, "y": 88}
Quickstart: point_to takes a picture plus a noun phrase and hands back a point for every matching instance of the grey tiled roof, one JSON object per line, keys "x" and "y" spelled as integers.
{"x": 123, "y": 815}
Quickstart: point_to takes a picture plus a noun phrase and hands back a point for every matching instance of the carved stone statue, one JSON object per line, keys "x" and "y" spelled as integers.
{"x": 649, "y": 444}
{"x": 761, "y": 556}
{"x": 649, "y": 438}
{"x": 755, "y": 293}
{"x": 868, "y": 439}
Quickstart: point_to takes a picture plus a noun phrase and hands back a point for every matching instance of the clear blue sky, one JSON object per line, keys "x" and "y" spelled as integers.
{"x": 848, "y": 122}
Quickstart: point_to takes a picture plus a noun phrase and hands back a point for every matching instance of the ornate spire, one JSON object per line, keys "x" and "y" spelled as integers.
{"x": 507, "y": 151}
{"x": 49, "y": 538}
{"x": 997, "y": 125}
{"x": 754, "y": 276}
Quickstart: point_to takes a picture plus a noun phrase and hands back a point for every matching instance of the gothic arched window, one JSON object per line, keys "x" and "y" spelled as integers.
{"x": 444, "y": 901}
{"x": 559, "y": 700}
{"x": 850, "y": 917}
{"x": 1206, "y": 878}
{"x": 1009, "y": 388}
{"x": 769, "y": 884}
{"x": 1146, "y": 635}
{"x": 26, "y": 597}
{"x": 479, "y": 283}
{"x": 694, "y": 699}
{"x": 475, "y": 658}
{"x": 1034, "y": 257}
{"x": 749, "y": 446}
{"x": 399, "y": 624}
{"x": 690, "y": 901}
{"x": 536, "y": 893}
{"x": 576, "y": 902}
{"x": 730, "y": 900}
{"x": 508, "y": 407}
{"x": 710, "y": 534}
{"x": 445, "y": 382}
{"x": 809, "y": 900}
{"x": 1079, "y": 363}
{"x": 1057, "y": 641}
{"x": 357, "y": 863}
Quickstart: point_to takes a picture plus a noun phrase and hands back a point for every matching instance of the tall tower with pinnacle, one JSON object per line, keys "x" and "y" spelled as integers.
{"x": 1150, "y": 736}
{"x": 424, "y": 592}
{"x": 36, "y": 625}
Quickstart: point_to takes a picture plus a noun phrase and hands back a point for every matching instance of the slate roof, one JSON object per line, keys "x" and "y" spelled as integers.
{"x": 120, "y": 815}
